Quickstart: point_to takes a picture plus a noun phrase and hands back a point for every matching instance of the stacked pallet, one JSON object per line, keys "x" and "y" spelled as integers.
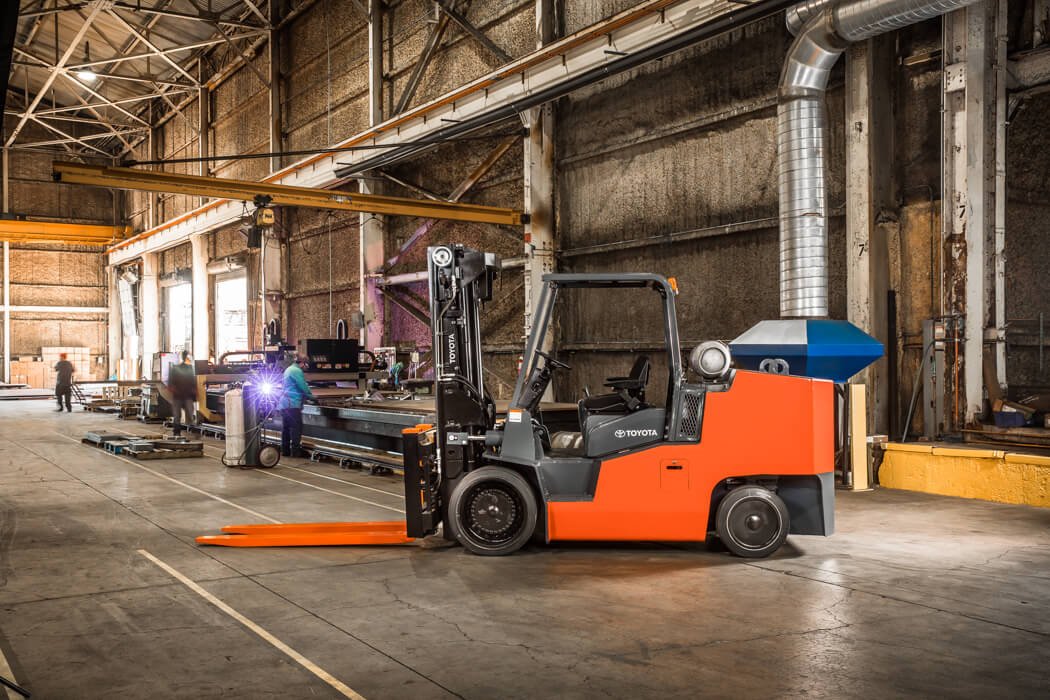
{"x": 39, "y": 372}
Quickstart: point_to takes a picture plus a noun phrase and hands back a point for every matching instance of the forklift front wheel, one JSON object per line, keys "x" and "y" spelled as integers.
{"x": 493, "y": 511}
{"x": 752, "y": 522}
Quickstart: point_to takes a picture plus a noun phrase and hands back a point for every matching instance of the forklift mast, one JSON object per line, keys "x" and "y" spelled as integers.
{"x": 460, "y": 280}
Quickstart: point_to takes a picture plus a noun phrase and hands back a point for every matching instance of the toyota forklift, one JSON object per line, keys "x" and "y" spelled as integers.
{"x": 745, "y": 455}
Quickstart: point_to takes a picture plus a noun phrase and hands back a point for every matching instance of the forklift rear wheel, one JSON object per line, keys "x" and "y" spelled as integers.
{"x": 752, "y": 522}
{"x": 493, "y": 511}
{"x": 269, "y": 456}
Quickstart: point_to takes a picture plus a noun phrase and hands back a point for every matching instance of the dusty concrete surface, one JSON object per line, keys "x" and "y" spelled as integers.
{"x": 915, "y": 595}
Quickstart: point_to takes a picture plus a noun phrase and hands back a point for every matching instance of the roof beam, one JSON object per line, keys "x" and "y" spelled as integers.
{"x": 209, "y": 17}
{"x": 164, "y": 52}
{"x": 68, "y": 138}
{"x": 479, "y": 36}
{"x": 73, "y": 45}
{"x": 153, "y": 47}
{"x": 82, "y": 139}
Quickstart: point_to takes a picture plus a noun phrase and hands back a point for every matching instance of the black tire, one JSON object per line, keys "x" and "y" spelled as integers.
{"x": 492, "y": 511}
{"x": 752, "y": 522}
{"x": 269, "y": 456}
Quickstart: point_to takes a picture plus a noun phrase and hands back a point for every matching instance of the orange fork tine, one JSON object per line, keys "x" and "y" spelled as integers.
{"x": 297, "y": 528}
{"x": 307, "y": 539}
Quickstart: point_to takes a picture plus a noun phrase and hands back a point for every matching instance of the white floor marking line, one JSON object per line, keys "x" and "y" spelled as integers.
{"x": 344, "y": 481}
{"x": 332, "y": 478}
{"x": 183, "y": 484}
{"x": 310, "y": 666}
{"x": 334, "y": 493}
{"x": 6, "y": 672}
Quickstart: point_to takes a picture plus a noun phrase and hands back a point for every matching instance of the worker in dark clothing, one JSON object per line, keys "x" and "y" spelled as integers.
{"x": 295, "y": 391}
{"x": 64, "y": 382}
{"x": 182, "y": 383}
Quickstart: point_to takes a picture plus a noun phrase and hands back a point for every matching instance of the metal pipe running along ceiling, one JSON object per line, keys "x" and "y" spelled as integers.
{"x": 824, "y": 30}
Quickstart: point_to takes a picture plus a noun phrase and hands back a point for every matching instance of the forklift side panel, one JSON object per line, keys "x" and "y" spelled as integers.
{"x": 764, "y": 425}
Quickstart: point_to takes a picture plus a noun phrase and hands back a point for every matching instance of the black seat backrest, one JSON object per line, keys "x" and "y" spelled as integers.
{"x": 640, "y": 370}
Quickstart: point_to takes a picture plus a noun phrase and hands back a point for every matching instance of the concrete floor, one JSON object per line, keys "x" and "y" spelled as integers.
{"x": 915, "y": 595}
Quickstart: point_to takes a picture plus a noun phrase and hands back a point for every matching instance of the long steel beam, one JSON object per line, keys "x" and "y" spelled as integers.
{"x": 646, "y": 32}
{"x": 21, "y": 231}
{"x": 280, "y": 195}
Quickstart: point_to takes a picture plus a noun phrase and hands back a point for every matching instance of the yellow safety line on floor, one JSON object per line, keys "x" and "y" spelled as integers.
{"x": 342, "y": 688}
{"x": 183, "y": 484}
{"x": 334, "y": 493}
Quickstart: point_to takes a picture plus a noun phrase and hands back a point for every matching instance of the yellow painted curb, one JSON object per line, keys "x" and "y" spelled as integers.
{"x": 1038, "y": 460}
{"x": 990, "y": 475}
{"x": 908, "y": 447}
{"x": 968, "y": 453}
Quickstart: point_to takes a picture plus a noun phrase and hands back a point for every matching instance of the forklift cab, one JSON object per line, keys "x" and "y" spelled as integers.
{"x": 619, "y": 419}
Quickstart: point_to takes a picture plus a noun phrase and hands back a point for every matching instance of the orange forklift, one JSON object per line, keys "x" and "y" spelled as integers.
{"x": 746, "y": 455}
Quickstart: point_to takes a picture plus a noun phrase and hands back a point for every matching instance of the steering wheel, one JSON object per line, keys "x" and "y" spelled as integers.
{"x": 551, "y": 362}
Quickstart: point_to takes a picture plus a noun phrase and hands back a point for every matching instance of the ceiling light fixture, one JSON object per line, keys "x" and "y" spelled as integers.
{"x": 86, "y": 74}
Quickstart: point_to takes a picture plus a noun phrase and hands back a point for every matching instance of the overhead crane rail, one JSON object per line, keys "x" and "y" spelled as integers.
{"x": 280, "y": 195}
{"x": 27, "y": 231}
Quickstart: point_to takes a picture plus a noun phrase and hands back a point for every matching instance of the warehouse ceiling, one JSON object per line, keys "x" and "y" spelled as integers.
{"x": 86, "y": 75}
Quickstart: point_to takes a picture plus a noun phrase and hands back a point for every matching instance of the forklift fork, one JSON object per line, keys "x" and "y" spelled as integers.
{"x": 311, "y": 534}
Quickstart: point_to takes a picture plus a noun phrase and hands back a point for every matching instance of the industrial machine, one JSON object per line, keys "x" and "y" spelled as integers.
{"x": 748, "y": 455}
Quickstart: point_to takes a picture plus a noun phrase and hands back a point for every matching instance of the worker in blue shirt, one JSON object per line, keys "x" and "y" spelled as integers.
{"x": 295, "y": 391}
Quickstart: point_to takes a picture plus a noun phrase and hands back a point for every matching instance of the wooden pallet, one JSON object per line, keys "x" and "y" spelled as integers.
{"x": 164, "y": 454}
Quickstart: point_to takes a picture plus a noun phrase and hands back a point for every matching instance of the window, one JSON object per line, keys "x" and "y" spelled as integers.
{"x": 231, "y": 314}
{"x": 180, "y": 318}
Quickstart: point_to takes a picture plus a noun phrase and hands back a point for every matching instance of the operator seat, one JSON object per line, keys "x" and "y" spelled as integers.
{"x": 628, "y": 392}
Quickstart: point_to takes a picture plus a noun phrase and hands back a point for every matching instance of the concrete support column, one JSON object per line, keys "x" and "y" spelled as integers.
{"x": 7, "y": 308}
{"x": 969, "y": 197}
{"x": 149, "y": 300}
{"x": 114, "y": 329}
{"x": 539, "y": 181}
{"x": 202, "y": 325}
{"x": 372, "y": 244}
{"x": 869, "y": 136}
{"x": 5, "y": 185}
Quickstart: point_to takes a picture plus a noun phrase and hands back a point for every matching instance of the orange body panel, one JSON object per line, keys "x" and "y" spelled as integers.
{"x": 764, "y": 425}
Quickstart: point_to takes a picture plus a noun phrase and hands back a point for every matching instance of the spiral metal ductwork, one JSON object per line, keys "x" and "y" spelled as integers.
{"x": 823, "y": 30}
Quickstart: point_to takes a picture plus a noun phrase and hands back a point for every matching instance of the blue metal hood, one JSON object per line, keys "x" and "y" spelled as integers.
{"x": 819, "y": 348}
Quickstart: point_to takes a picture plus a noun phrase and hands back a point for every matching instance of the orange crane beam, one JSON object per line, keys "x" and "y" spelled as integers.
{"x": 23, "y": 231}
{"x": 280, "y": 195}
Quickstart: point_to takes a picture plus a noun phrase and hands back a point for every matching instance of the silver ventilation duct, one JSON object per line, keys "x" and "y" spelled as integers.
{"x": 823, "y": 31}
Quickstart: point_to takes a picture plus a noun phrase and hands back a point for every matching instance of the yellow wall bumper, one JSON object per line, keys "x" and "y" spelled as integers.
{"x": 986, "y": 474}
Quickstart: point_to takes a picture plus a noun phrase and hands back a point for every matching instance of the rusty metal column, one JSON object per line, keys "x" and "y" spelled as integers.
{"x": 869, "y": 133}
{"x": 539, "y": 182}
{"x": 372, "y": 226}
{"x": 968, "y": 198}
